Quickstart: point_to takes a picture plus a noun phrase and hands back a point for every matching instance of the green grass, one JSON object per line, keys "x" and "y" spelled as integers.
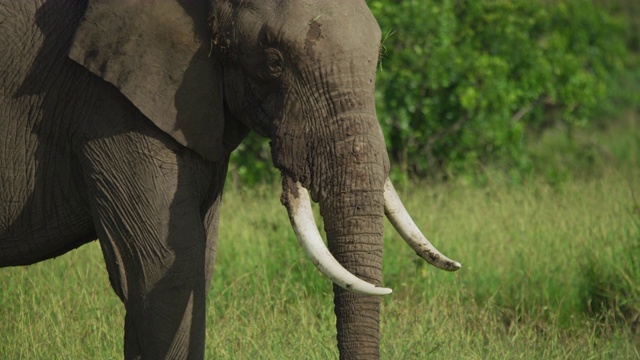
{"x": 551, "y": 270}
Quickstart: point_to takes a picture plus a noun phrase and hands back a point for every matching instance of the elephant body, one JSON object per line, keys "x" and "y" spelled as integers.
{"x": 118, "y": 118}
{"x": 32, "y": 147}
{"x": 80, "y": 162}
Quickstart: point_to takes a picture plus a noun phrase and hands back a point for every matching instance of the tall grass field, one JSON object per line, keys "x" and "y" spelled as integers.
{"x": 551, "y": 270}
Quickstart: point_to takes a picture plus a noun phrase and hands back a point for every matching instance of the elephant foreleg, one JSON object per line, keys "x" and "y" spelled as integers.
{"x": 149, "y": 204}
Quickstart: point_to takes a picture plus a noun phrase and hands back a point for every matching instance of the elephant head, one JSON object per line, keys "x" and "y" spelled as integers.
{"x": 301, "y": 73}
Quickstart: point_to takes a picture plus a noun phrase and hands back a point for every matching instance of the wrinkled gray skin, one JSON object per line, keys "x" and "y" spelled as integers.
{"x": 118, "y": 120}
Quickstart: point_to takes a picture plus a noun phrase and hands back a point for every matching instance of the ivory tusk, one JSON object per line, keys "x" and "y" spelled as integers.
{"x": 298, "y": 206}
{"x": 404, "y": 225}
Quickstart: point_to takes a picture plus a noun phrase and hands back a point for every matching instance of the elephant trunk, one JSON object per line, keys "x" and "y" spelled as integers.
{"x": 353, "y": 213}
{"x": 354, "y": 223}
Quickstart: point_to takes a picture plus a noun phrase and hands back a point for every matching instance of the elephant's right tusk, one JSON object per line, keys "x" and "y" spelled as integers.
{"x": 402, "y": 222}
{"x": 298, "y": 206}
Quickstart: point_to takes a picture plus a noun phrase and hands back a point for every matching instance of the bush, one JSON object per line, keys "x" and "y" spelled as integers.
{"x": 461, "y": 83}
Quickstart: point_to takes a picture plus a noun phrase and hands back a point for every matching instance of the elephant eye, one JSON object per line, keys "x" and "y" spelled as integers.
{"x": 275, "y": 63}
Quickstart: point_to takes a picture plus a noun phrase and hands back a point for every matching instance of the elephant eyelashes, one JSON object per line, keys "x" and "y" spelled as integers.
{"x": 275, "y": 63}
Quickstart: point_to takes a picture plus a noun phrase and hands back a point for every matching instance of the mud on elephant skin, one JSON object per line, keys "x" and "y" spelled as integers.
{"x": 118, "y": 120}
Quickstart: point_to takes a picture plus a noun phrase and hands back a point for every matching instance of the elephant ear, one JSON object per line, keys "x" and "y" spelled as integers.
{"x": 156, "y": 52}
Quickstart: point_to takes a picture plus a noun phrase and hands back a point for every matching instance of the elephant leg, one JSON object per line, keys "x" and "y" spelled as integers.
{"x": 155, "y": 216}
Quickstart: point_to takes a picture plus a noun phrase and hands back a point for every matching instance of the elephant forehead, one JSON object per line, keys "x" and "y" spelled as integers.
{"x": 347, "y": 27}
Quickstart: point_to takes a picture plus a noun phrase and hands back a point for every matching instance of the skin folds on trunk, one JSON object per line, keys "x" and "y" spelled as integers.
{"x": 354, "y": 221}
{"x": 352, "y": 207}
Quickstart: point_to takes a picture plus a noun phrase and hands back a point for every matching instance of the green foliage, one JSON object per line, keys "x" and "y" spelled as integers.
{"x": 462, "y": 82}
{"x": 251, "y": 163}
{"x": 561, "y": 154}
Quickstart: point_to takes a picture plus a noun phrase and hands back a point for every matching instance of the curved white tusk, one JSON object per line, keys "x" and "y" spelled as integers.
{"x": 298, "y": 205}
{"x": 404, "y": 225}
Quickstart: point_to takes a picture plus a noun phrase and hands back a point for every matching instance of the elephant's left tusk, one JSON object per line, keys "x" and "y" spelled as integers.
{"x": 402, "y": 222}
{"x": 298, "y": 204}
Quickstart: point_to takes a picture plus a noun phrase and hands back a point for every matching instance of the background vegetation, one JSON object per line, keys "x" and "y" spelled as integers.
{"x": 515, "y": 125}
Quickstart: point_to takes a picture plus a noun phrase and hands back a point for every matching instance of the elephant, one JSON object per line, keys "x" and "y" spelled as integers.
{"x": 118, "y": 120}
